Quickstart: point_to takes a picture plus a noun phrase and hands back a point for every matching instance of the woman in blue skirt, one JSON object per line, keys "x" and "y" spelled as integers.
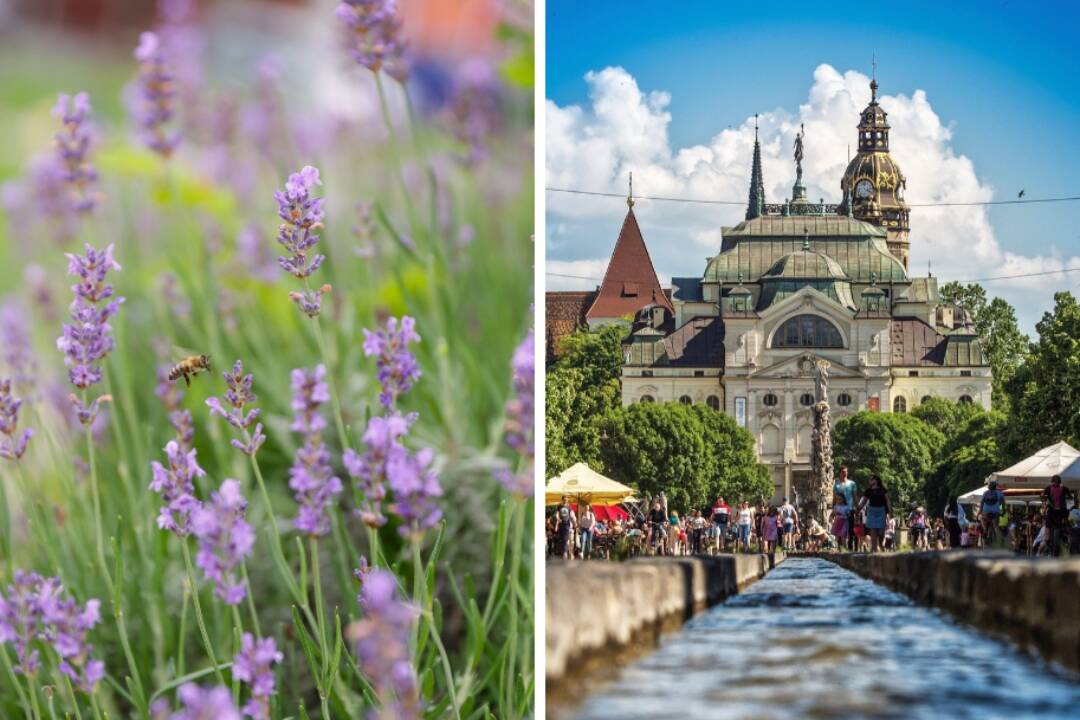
{"x": 876, "y": 503}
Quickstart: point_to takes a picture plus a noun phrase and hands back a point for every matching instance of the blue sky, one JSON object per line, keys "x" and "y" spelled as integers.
{"x": 998, "y": 75}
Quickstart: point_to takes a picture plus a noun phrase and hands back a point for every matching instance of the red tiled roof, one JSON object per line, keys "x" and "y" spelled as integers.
{"x": 630, "y": 282}
{"x": 564, "y": 314}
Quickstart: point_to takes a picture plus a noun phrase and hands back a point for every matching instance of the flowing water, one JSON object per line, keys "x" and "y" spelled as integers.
{"x": 812, "y": 640}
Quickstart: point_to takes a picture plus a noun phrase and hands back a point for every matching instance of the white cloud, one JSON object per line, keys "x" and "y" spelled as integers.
{"x": 625, "y": 129}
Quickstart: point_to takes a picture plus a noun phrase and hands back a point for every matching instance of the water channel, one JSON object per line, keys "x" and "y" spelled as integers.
{"x": 812, "y": 640}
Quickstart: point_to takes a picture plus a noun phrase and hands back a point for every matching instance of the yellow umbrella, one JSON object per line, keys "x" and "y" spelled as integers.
{"x": 581, "y": 483}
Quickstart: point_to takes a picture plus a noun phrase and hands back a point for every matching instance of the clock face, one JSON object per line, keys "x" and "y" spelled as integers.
{"x": 864, "y": 189}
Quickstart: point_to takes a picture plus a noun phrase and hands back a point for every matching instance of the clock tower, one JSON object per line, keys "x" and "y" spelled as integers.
{"x": 873, "y": 185}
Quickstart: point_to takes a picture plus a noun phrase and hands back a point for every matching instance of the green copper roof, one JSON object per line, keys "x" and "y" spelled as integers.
{"x": 857, "y": 260}
{"x": 774, "y": 290}
{"x": 795, "y": 226}
{"x": 805, "y": 264}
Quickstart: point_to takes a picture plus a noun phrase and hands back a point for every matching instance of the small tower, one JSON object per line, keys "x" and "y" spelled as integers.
{"x": 873, "y": 185}
{"x": 755, "y": 207}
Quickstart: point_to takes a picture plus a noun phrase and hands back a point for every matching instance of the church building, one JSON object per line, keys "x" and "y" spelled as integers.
{"x": 793, "y": 283}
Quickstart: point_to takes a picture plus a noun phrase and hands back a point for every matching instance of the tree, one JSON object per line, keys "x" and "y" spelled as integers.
{"x": 967, "y": 459}
{"x": 995, "y": 322}
{"x": 947, "y": 417}
{"x": 580, "y": 387}
{"x": 902, "y": 450}
{"x": 689, "y": 453}
{"x": 1044, "y": 392}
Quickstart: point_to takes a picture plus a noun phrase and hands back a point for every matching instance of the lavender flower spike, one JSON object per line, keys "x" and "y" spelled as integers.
{"x": 237, "y": 397}
{"x": 175, "y": 484}
{"x": 380, "y": 642}
{"x": 311, "y": 476}
{"x": 374, "y": 39}
{"x": 205, "y": 704}
{"x": 382, "y": 438}
{"x": 21, "y": 619}
{"x": 12, "y": 445}
{"x": 73, "y": 146}
{"x": 520, "y": 413}
{"x": 254, "y": 665}
{"x": 398, "y": 369}
{"x": 155, "y": 103}
{"x": 66, "y": 627}
{"x": 87, "y": 339}
{"x": 225, "y": 539}
{"x": 303, "y": 215}
{"x": 415, "y": 488}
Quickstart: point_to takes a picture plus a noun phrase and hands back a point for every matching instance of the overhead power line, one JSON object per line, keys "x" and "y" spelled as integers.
{"x": 973, "y": 280}
{"x": 703, "y": 201}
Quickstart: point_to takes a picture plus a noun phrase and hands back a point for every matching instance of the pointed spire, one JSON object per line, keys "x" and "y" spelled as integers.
{"x": 756, "y": 205}
{"x": 873, "y": 78}
{"x": 630, "y": 197}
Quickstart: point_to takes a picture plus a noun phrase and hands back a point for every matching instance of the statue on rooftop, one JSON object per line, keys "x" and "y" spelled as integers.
{"x": 799, "y": 149}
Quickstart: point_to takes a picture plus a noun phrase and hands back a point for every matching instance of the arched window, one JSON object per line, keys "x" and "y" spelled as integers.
{"x": 843, "y": 399}
{"x": 803, "y": 439}
{"x": 804, "y": 331}
{"x": 647, "y": 399}
{"x": 925, "y": 399}
{"x": 770, "y": 400}
{"x": 806, "y": 400}
{"x": 965, "y": 399}
{"x": 713, "y": 402}
{"x": 685, "y": 400}
{"x": 770, "y": 440}
{"x": 899, "y": 405}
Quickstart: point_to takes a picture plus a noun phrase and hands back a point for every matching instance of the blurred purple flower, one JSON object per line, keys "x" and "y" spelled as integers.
{"x": 311, "y": 476}
{"x": 21, "y": 618}
{"x": 225, "y": 539}
{"x": 155, "y": 100}
{"x": 302, "y": 214}
{"x": 398, "y": 369}
{"x": 380, "y": 642}
{"x": 73, "y": 146}
{"x": 254, "y": 254}
{"x": 415, "y": 486}
{"x": 254, "y": 665}
{"x": 520, "y": 412}
{"x": 369, "y": 469}
{"x": 237, "y": 397}
{"x": 88, "y": 338}
{"x": 12, "y": 444}
{"x": 475, "y": 111}
{"x": 374, "y": 36}
{"x": 179, "y": 305}
{"x": 16, "y": 348}
{"x": 205, "y": 703}
{"x": 176, "y": 486}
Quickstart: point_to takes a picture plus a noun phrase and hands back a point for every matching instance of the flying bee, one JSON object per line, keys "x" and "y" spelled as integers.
{"x": 189, "y": 367}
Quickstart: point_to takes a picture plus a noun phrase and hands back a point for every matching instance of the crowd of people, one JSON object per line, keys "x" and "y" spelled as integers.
{"x": 858, "y": 521}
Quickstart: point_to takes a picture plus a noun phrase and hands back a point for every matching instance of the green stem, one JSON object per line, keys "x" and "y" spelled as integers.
{"x": 34, "y": 707}
{"x": 395, "y": 153}
{"x": 71, "y": 694}
{"x": 422, "y": 600}
{"x": 276, "y": 550}
{"x": 320, "y": 614}
{"x": 94, "y": 706}
{"x": 515, "y": 577}
{"x": 5, "y": 518}
{"x": 251, "y": 601}
{"x": 335, "y": 400}
{"x": 239, "y": 625}
{"x": 96, "y": 496}
{"x": 13, "y": 678}
{"x": 198, "y": 611}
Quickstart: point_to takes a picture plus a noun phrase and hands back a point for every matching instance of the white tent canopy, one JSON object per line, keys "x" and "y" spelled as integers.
{"x": 1034, "y": 473}
{"x": 973, "y": 497}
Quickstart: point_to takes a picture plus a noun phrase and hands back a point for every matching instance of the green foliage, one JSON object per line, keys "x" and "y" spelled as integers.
{"x": 946, "y": 416}
{"x": 690, "y": 453}
{"x": 1045, "y": 390}
{"x": 967, "y": 458}
{"x": 900, "y": 448}
{"x": 995, "y": 321}
{"x": 581, "y": 386}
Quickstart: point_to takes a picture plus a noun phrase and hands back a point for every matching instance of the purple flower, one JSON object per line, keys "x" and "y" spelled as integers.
{"x": 311, "y": 476}
{"x": 310, "y": 301}
{"x": 73, "y": 146}
{"x": 66, "y": 625}
{"x": 254, "y": 665}
{"x": 176, "y": 486}
{"x": 398, "y": 369}
{"x": 369, "y": 470}
{"x": 415, "y": 486}
{"x": 520, "y": 413}
{"x": 12, "y": 444}
{"x": 237, "y": 396}
{"x": 16, "y": 349}
{"x": 475, "y": 112}
{"x": 303, "y": 215}
{"x": 254, "y": 254}
{"x": 374, "y": 35}
{"x": 380, "y": 641}
{"x": 87, "y": 339}
{"x": 225, "y": 539}
{"x": 155, "y": 99}
{"x": 205, "y": 703}
{"x": 36, "y": 608}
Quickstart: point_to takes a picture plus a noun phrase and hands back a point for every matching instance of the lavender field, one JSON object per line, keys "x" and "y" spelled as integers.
{"x": 266, "y": 363}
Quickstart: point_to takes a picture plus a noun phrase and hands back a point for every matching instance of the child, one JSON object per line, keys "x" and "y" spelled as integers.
{"x": 838, "y": 519}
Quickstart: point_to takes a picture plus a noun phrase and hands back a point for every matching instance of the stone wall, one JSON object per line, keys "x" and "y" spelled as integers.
{"x": 1035, "y": 602}
{"x": 601, "y": 613}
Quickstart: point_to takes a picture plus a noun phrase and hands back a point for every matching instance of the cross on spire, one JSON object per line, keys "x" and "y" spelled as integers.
{"x": 873, "y": 78}
{"x": 630, "y": 197}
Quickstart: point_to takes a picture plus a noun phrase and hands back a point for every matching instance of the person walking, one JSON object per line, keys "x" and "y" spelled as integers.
{"x": 954, "y": 511}
{"x": 770, "y": 524}
{"x": 564, "y": 527}
{"x": 721, "y": 513}
{"x": 788, "y": 518}
{"x": 587, "y": 524}
{"x": 845, "y": 486}
{"x": 1056, "y": 497}
{"x": 839, "y": 520}
{"x": 990, "y": 506}
{"x": 917, "y": 524}
{"x": 657, "y": 528}
{"x": 746, "y": 522}
{"x": 875, "y": 501}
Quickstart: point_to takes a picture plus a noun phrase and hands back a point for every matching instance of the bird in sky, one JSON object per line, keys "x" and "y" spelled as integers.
{"x": 1021, "y": 194}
